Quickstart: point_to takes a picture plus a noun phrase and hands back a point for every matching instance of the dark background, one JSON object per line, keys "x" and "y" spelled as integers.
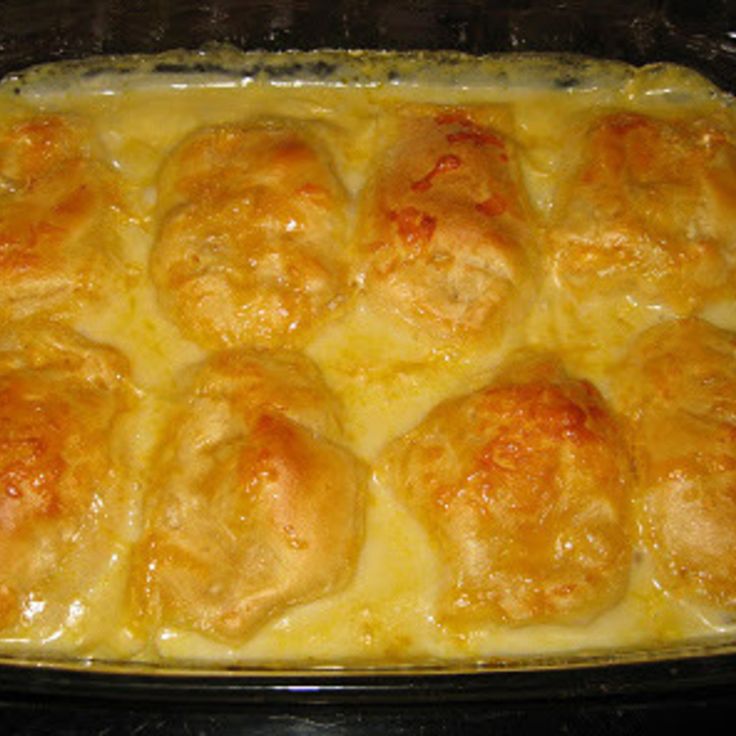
{"x": 598, "y": 701}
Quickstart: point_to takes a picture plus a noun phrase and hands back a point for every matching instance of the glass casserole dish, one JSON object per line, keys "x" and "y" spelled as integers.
{"x": 662, "y": 35}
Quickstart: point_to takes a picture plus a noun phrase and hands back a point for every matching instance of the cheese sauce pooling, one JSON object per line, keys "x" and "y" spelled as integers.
{"x": 387, "y": 369}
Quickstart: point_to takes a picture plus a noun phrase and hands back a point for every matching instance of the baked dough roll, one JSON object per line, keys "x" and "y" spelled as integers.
{"x": 649, "y": 213}
{"x": 445, "y": 225}
{"x": 254, "y": 507}
{"x": 251, "y": 249}
{"x": 62, "y": 473}
{"x": 523, "y": 488}
{"x": 58, "y": 210}
{"x": 678, "y": 385}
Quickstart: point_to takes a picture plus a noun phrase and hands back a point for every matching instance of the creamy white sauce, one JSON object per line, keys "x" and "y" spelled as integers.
{"x": 387, "y": 382}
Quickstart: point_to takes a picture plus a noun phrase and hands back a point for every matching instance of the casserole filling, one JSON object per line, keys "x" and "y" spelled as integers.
{"x": 405, "y": 363}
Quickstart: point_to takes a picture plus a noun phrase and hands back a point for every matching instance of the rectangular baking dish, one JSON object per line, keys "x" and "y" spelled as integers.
{"x": 36, "y": 31}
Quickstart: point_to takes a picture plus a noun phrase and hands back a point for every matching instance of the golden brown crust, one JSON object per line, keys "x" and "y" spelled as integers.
{"x": 251, "y": 249}
{"x": 252, "y": 509}
{"x": 649, "y": 212}
{"x": 523, "y": 488}
{"x": 445, "y": 225}
{"x": 60, "y": 474}
{"x": 57, "y": 204}
{"x": 678, "y": 386}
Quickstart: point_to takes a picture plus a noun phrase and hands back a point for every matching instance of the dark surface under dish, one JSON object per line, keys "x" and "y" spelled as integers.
{"x": 600, "y": 698}
{"x": 596, "y": 700}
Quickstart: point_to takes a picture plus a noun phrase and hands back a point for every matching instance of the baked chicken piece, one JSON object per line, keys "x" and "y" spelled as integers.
{"x": 445, "y": 227}
{"x": 649, "y": 213}
{"x": 523, "y": 487}
{"x": 254, "y": 507}
{"x": 58, "y": 209}
{"x": 251, "y": 249}
{"x": 62, "y": 476}
{"x": 678, "y": 386}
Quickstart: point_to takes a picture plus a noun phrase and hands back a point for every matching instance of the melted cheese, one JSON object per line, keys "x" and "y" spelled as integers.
{"x": 387, "y": 379}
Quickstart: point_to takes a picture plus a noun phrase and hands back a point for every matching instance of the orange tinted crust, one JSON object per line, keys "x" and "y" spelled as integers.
{"x": 253, "y": 509}
{"x": 57, "y": 209}
{"x": 60, "y": 480}
{"x": 523, "y": 488}
{"x": 445, "y": 226}
{"x": 678, "y": 385}
{"x": 650, "y": 212}
{"x": 252, "y": 247}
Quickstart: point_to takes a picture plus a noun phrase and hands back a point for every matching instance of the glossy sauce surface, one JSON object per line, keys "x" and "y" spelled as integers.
{"x": 388, "y": 365}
